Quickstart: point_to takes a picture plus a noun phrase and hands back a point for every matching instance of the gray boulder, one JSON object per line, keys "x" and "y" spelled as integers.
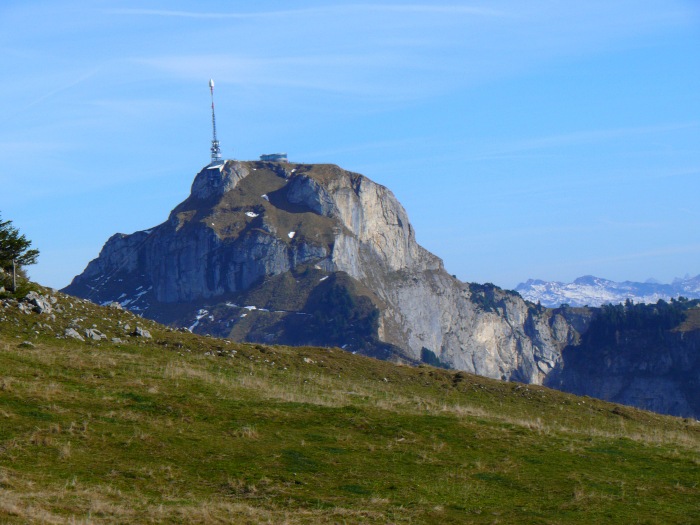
{"x": 141, "y": 332}
{"x": 94, "y": 334}
{"x": 39, "y": 303}
{"x": 73, "y": 334}
{"x": 25, "y": 308}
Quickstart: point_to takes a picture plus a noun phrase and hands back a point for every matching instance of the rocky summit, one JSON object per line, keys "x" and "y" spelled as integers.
{"x": 313, "y": 254}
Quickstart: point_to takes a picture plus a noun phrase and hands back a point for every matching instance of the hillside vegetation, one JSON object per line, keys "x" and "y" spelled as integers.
{"x": 178, "y": 428}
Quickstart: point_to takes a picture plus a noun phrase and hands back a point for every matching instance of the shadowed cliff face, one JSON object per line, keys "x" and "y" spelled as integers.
{"x": 641, "y": 355}
{"x": 252, "y": 251}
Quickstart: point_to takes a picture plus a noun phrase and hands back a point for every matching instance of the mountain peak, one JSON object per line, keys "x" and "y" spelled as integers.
{"x": 314, "y": 254}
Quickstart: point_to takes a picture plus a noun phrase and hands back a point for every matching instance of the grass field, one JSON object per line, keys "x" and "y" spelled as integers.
{"x": 187, "y": 429}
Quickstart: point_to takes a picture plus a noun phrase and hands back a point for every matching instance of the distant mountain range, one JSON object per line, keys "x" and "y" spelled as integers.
{"x": 594, "y": 291}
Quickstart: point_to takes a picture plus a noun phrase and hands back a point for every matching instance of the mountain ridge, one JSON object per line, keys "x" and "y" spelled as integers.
{"x": 589, "y": 290}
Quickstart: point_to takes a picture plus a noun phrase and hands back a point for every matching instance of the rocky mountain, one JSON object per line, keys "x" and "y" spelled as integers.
{"x": 594, "y": 291}
{"x": 301, "y": 254}
{"x": 313, "y": 254}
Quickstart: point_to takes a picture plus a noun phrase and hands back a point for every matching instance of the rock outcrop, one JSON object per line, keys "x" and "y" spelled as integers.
{"x": 314, "y": 254}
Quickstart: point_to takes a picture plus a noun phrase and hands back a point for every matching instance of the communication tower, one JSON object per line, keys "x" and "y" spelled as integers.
{"x": 215, "y": 149}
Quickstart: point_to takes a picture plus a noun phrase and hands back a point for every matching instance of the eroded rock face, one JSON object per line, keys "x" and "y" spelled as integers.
{"x": 477, "y": 328}
{"x": 658, "y": 371}
{"x": 248, "y": 223}
{"x": 213, "y": 183}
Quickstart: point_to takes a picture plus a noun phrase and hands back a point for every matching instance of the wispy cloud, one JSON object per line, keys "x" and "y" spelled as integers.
{"x": 583, "y": 137}
{"x": 362, "y": 75}
{"x": 28, "y": 149}
{"x": 55, "y": 91}
{"x": 543, "y": 146}
{"x": 188, "y": 14}
{"x": 405, "y": 51}
{"x": 446, "y": 9}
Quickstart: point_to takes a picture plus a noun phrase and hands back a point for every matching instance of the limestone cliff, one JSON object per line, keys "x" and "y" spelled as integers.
{"x": 646, "y": 356}
{"x": 302, "y": 254}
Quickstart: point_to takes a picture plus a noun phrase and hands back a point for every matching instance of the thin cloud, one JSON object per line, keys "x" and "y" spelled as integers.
{"x": 387, "y": 8}
{"x": 187, "y": 14}
{"x": 525, "y": 147}
{"x": 362, "y": 75}
{"x": 27, "y": 148}
{"x": 406, "y": 51}
{"x": 79, "y": 80}
{"x": 582, "y": 137}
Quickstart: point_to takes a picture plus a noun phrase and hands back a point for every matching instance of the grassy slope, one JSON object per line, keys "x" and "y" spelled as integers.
{"x": 180, "y": 429}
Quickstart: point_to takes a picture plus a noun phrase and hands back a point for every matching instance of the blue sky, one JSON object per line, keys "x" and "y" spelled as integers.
{"x": 545, "y": 139}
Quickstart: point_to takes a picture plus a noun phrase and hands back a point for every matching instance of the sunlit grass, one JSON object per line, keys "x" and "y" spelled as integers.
{"x": 187, "y": 429}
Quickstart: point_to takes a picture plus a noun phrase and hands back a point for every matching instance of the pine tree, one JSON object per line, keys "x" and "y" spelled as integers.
{"x": 15, "y": 251}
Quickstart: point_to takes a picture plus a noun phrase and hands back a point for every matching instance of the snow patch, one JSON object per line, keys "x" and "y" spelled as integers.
{"x": 291, "y": 234}
{"x": 134, "y": 299}
{"x": 200, "y": 314}
{"x": 251, "y": 214}
{"x": 264, "y": 196}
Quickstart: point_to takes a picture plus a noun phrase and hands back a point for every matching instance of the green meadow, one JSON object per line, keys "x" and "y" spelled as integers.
{"x": 179, "y": 428}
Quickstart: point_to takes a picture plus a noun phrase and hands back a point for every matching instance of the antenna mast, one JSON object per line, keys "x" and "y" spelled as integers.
{"x": 215, "y": 149}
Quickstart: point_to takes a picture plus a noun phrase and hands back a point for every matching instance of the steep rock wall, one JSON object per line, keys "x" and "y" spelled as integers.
{"x": 658, "y": 372}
